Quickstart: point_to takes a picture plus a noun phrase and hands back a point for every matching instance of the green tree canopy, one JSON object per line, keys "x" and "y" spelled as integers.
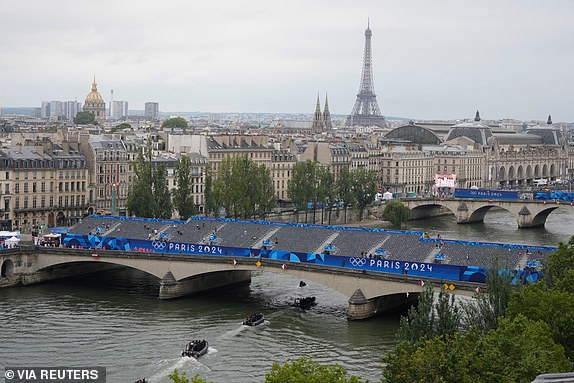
{"x": 182, "y": 194}
{"x": 149, "y": 194}
{"x": 175, "y": 122}
{"x": 559, "y": 269}
{"x": 85, "y": 118}
{"x": 177, "y": 378}
{"x": 555, "y": 307}
{"x": 396, "y": 212}
{"x": 243, "y": 188}
{"x": 121, "y": 126}
{"x": 344, "y": 187}
{"x": 305, "y": 370}
{"x": 364, "y": 188}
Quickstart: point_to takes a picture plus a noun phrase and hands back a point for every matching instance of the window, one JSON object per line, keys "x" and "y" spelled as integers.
{"x": 17, "y": 188}
{"x": 34, "y": 187}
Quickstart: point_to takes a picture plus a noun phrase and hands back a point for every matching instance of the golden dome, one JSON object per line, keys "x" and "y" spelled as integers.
{"x": 94, "y": 96}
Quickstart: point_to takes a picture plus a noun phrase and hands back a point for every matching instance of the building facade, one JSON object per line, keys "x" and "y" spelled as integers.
{"x": 151, "y": 111}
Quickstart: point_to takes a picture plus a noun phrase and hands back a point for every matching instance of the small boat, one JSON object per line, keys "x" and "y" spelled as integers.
{"x": 195, "y": 348}
{"x": 254, "y": 319}
{"x": 304, "y": 303}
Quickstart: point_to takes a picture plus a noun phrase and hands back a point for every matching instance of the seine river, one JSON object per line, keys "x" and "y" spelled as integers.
{"x": 114, "y": 320}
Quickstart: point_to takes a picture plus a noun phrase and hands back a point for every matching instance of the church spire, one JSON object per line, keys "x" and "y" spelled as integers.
{"x": 318, "y": 117}
{"x": 327, "y": 116}
{"x": 477, "y": 116}
{"x": 549, "y": 122}
{"x": 94, "y": 85}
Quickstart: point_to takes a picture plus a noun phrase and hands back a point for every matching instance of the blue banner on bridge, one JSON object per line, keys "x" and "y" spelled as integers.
{"x": 482, "y": 193}
{"x": 420, "y": 269}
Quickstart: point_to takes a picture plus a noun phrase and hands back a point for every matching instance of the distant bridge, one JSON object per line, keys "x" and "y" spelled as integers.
{"x": 528, "y": 213}
{"x": 368, "y": 291}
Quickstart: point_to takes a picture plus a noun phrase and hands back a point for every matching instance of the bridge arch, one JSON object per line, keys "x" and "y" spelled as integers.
{"x": 429, "y": 209}
{"x": 479, "y": 214}
{"x": 540, "y": 219}
{"x": 7, "y": 268}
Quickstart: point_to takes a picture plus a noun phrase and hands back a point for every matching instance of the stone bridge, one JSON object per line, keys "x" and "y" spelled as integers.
{"x": 178, "y": 275}
{"x": 528, "y": 213}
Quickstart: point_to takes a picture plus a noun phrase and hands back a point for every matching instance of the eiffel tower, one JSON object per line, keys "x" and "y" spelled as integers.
{"x": 366, "y": 111}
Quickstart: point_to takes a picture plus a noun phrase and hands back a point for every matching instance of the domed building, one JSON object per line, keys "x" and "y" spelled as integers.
{"x": 95, "y": 103}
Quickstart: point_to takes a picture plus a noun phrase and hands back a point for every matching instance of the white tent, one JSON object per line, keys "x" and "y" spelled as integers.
{"x": 387, "y": 195}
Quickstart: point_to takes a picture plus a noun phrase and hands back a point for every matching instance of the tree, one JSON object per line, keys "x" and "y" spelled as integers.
{"x": 364, "y": 189}
{"x": 182, "y": 194}
{"x": 345, "y": 189}
{"x": 554, "y": 307}
{"x": 176, "y": 378}
{"x": 426, "y": 320}
{"x": 302, "y": 187}
{"x": 209, "y": 195}
{"x": 266, "y": 192}
{"x": 517, "y": 351}
{"x": 243, "y": 188}
{"x": 485, "y": 311}
{"x": 559, "y": 270}
{"x": 85, "y": 118}
{"x": 396, "y": 212}
{"x": 163, "y": 207}
{"x": 121, "y": 126}
{"x": 305, "y": 370}
{"x": 420, "y": 320}
{"x": 149, "y": 195}
{"x": 176, "y": 122}
{"x": 140, "y": 199}
{"x": 442, "y": 359}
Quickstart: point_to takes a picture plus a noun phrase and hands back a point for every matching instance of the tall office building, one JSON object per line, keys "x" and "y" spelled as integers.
{"x": 119, "y": 110}
{"x": 60, "y": 110}
{"x": 152, "y": 111}
{"x": 71, "y": 108}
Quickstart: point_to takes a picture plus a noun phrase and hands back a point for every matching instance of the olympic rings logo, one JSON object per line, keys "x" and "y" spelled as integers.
{"x": 158, "y": 245}
{"x": 357, "y": 261}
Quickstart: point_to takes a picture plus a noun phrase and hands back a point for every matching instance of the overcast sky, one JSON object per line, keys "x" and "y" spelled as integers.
{"x": 431, "y": 59}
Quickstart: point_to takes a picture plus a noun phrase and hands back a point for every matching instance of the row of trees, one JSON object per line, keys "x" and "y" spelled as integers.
{"x": 314, "y": 184}
{"x": 150, "y": 196}
{"x": 242, "y": 188}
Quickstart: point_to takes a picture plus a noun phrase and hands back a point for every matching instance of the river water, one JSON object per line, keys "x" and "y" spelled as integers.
{"x": 114, "y": 319}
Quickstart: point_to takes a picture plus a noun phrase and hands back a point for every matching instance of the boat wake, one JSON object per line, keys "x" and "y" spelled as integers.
{"x": 182, "y": 364}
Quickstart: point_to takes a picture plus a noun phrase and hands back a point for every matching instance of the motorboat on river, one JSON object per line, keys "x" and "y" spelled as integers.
{"x": 195, "y": 348}
{"x": 304, "y": 303}
{"x": 254, "y": 319}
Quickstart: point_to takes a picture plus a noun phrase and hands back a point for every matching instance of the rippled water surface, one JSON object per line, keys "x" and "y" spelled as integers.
{"x": 115, "y": 320}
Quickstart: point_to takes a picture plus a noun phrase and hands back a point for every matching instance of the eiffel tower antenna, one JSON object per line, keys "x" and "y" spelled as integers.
{"x": 366, "y": 111}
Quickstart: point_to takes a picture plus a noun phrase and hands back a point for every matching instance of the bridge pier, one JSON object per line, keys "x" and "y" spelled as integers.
{"x": 363, "y": 308}
{"x": 169, "y": 288}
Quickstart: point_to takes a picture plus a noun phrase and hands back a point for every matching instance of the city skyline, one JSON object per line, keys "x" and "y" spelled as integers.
{"x": 430, "y": 60}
